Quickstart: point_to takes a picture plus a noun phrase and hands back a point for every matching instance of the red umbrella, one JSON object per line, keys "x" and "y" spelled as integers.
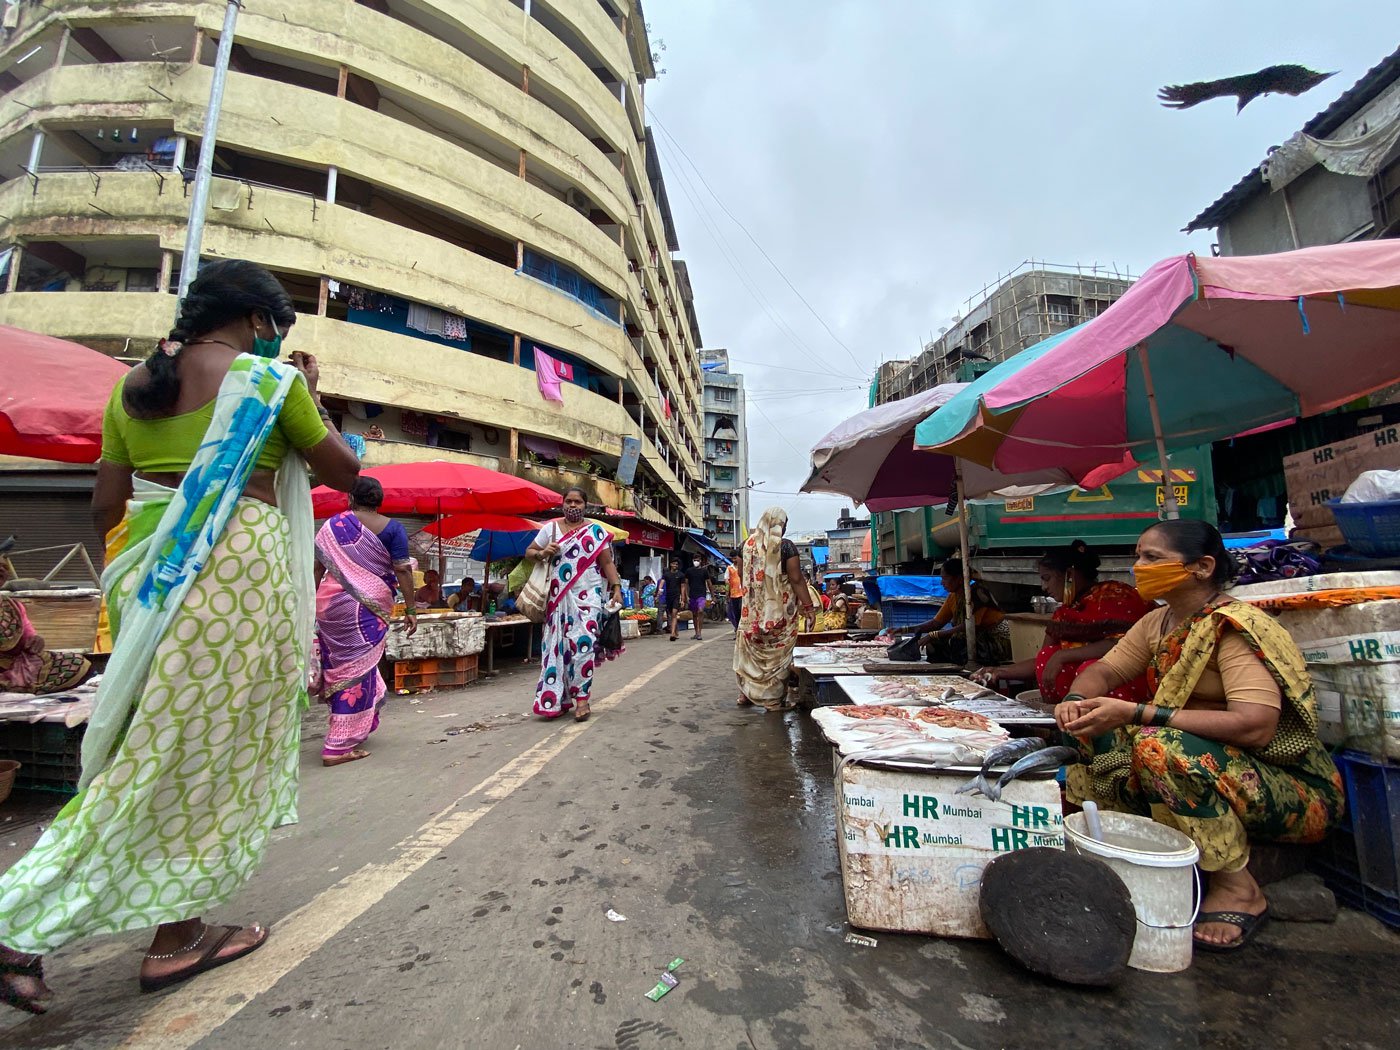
{"x": 452, "y": 525}
{"x": 52, "y": 395}
{"x": 439, "y": 488}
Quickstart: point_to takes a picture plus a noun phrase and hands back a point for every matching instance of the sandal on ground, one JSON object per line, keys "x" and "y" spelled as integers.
{"x": 209, "y": 960}
{"x": 30, "y": 1004}
{"x": 1249, "y": 925}
{"x": 340, "y": 760}
{"x": 581, "y": 711}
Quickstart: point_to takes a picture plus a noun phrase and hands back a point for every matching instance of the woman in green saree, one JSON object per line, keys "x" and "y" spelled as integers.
{"x": 190, "y": 759}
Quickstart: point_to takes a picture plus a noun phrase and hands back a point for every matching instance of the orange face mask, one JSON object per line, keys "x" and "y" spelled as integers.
{"x": 1154, "y": 581}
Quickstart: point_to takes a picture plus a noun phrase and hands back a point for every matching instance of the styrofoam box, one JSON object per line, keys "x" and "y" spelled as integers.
{"x": 913, "y": 851}
{"x": 631, "y": 629}
{"x": 1332, "y": 581}
{"x": 1353, "y": 654}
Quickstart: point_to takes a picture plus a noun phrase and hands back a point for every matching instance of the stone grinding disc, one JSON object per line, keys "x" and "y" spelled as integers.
{"x": 1060, "y": 914}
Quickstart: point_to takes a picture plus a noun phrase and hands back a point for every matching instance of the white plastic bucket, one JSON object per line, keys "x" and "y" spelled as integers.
{"x": 1158, "y": 865}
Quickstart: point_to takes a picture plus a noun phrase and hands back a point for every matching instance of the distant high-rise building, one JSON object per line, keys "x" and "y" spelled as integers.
{"x": 726, "y": 501}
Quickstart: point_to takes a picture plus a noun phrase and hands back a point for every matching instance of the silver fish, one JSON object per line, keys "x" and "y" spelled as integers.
{"x": 1049, "y": 758}
{"x": 1009, "y": 751}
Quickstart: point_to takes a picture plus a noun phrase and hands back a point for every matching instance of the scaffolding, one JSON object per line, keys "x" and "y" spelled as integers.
{"x": 1021, "y": 308}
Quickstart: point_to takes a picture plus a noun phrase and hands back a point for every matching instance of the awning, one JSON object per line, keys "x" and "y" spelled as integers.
{"x": 698, "y": 542}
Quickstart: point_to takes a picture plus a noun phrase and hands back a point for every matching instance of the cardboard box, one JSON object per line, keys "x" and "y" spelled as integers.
{"x": 913, "y": 851}
{"x": 1322, "y": 474}
{"x": 869, "y": 620}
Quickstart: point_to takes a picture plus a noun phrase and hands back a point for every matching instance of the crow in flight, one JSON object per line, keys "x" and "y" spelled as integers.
{"x": 1282, "y": 80}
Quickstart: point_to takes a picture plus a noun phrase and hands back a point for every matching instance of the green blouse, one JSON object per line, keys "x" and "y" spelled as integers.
{"x": 168, "y": 445}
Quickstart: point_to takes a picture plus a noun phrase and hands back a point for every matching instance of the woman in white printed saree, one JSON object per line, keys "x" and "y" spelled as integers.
{"x": 190, "y": 759}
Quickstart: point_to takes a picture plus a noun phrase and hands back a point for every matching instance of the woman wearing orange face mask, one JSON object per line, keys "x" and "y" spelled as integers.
{"x": 1227, "y": 749}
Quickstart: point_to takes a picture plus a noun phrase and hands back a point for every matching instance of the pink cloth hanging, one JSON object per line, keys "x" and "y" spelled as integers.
{"x": 548, "y": 376}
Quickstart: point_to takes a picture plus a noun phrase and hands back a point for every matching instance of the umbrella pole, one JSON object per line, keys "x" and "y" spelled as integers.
{"x": 1169, "y": 503}
{"x": 969, "y": 617}
{"x": 442, "y": 558}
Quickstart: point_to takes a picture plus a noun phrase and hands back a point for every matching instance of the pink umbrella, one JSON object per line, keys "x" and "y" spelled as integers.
{"x": 52, "y": 396}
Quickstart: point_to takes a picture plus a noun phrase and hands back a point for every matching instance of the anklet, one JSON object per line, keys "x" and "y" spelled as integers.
{"x": 182, "y": 951}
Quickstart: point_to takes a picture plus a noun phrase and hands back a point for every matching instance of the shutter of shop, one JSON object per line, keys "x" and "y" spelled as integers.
{"x": 51, "y": 520}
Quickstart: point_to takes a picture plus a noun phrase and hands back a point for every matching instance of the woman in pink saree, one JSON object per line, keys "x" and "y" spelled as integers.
{"x": 361, "y": 554}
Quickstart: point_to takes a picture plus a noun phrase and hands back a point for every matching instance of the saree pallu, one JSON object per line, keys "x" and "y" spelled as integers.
{"x": 191, "y": 757}
{"x": 575, "y": 603}
{"x": 1218, "y": 794}
{"x": 1105, "y": 610}
{"x": 25, "y": 665}
{"x": 353, "y": 606}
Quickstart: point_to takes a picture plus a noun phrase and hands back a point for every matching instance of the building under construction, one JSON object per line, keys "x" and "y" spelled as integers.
{"x": 1031, "y": 303}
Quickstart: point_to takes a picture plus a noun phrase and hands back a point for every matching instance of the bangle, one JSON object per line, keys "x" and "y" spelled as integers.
{"x": 1162, "y": 715}
{"x": 1137, "y": 714}
{"x": 1077, "y": 696}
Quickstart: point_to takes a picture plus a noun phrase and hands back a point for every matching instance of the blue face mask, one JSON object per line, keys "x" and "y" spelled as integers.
{"x": 268, "y": 348}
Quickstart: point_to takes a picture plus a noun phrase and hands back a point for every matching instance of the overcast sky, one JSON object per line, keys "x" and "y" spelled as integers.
{"x": 893, "y": 156}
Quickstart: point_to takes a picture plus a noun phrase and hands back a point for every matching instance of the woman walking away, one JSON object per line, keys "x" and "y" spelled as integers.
{"x": 361, "y": 554}
{"x": 734, "y": 589}
{"x": 1226, "y": 750}
{"x": 190, "y": 757}
{"x": 774, "y": 588}
{"x": 580, "y": 556}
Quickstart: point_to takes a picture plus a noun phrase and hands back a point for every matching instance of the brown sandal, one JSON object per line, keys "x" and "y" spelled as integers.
{"x": 581, "y": 711}
{"x": 340, "y": 760}
{"x": 33, "y": 968}
{"x": 209, "y": 960}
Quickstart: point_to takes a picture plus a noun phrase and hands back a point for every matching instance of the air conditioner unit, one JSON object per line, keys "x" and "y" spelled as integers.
{"x": 578, "y": 201}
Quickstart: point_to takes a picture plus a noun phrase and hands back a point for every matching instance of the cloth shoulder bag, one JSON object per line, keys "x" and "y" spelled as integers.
{"x": 533, "y": 600}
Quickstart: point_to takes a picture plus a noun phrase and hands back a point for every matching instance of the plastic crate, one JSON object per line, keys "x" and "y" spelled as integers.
{"x": 1336, "y": 861}
{"x": 828, "y": 692}
{"x": 418, "y": 675}
{"x": 899, "y": 614}
{"x": 49, "y": 753}
{"x": 1372, "y": 529}
{"x": 1373, "y": 805}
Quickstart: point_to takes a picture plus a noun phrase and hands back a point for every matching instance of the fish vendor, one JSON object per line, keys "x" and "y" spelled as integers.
{"x": 1225, "y": 749}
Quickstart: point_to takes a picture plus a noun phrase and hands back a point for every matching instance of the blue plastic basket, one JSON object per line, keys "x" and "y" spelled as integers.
{"x": 1373, "y": 817}
{"x": 1370, "y": 528}
{"x": 898, "y": 614}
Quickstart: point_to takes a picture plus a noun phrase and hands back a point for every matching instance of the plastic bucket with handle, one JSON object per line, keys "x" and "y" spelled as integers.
{"x": 1158, "y": 865}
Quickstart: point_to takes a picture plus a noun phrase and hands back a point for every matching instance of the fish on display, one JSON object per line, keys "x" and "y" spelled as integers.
{"x": 1035, "y": 762}
{"x": 1010, "y": 751}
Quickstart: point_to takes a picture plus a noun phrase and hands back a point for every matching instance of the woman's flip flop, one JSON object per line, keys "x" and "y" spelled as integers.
{"x": 1249, "y": 925}
{"x": 209, "y": 960}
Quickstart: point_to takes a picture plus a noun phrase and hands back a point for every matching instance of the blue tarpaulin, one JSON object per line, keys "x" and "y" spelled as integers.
{"x": 705, "y": 546}
{"x": 895, "y": 587}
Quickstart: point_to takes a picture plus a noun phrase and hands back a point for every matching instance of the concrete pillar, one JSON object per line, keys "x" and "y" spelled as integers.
{"x": 182, "y": 145}
{"x": 36, "y": 151}
{"x": 167, "y": 267}
{"x": 16, "y": 260}
{"x": 332, "y": 179}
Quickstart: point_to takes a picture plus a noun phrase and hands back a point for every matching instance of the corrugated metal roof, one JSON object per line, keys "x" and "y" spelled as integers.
{"x": 1376, "y": 80}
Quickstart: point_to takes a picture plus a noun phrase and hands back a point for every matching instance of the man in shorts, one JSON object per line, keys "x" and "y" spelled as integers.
{"x": 673, "y": 583}
{"x": 697, "y": 591}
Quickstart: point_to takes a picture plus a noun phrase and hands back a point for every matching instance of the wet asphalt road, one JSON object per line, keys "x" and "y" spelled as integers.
{"x": 452, "y": 891}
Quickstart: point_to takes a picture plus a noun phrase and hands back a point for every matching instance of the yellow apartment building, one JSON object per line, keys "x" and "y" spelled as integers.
{"x": 444, "y": 186}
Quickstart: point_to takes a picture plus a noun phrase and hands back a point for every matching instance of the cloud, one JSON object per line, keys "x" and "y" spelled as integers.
{"x": 893, "y": 158}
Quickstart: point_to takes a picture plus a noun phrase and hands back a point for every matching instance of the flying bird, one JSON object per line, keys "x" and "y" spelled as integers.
{"x": 1274, "y": 80}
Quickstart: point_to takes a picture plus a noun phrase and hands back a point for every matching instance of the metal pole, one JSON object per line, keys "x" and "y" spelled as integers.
{"x": 969, "y": 616}
{"x": 1169, "y": 503}
{"x": 194, "y": 232}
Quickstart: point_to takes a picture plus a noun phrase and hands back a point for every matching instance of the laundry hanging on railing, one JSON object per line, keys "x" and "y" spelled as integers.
{"x": 549, "y": 374}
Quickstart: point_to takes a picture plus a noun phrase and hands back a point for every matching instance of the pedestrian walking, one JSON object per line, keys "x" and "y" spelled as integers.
{"x": 734, "y": 589}
{"x": 190, "y": 757}
{"x": 696, "y": 592}
{"x": 774, "y": 591}
{"x": 579, "y": 554}
{"x": 360, "y": 554}
{"x": 672, "y": 586}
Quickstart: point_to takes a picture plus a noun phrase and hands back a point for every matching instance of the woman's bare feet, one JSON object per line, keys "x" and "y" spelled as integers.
{"x": 180, "y": 950}
{"x": 22, "y": 981}
{"x": 1230, "y": 891}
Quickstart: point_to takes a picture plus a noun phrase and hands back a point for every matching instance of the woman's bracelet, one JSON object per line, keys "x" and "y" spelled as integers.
{"x": 1162, "y": 716}
{"x": 1137, "y": 714}
{"x": 1078, "y": 696}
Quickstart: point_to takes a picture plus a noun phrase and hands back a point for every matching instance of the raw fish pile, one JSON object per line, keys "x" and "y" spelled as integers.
{"x": 1026, "y": 755}
{"x": 931, "y": 737}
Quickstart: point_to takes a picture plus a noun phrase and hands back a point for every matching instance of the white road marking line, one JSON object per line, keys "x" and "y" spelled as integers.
{"x": 192, "y": 1012}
